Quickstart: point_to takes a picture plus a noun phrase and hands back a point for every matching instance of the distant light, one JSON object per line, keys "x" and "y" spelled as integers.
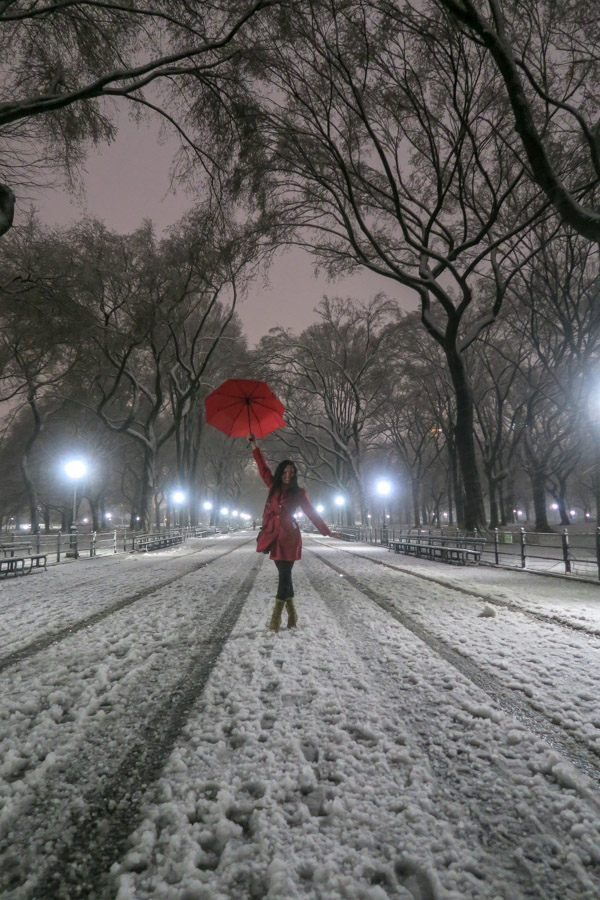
{"x": 85, "y": 521}
{"x": 368, "y": 515}
{"x": 207, "y": 504}
{"x": 572, "y": 512}
{"x": 554, "y": 506}
{"x": 320, "y": 508}
{"x": 384, "y": 487}
{"x": 25, "y": 527}
{"x": 178, "y": 496}
{"x": 75, "y": 468}
{"x": 588, "y": 515}
{"x": 224, "y": 510}
{"x": 108, "y": 516}
{"x": 138, "y": 519}
{"x": 520, "y": 512}
{"x": 235, "y": 512}
{"x": 445, "y": 515}
{"x": 339, "y": 500}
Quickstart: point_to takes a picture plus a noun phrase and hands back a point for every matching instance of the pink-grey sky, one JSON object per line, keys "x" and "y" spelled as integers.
{"x": 128, "y": 181}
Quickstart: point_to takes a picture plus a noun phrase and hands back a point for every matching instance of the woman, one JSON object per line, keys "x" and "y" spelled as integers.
{"x": 280, "y": 534}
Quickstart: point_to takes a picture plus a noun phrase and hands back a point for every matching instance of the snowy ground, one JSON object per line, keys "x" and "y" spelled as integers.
{"x": 428, "y": 731}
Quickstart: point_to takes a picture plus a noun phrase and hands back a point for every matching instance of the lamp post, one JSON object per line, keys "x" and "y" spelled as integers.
{"x": 207, "y": 506}
{"x": 75, "y": 469}
{"x": 384, "y": 489}
{"x": 339, "y": 502}
{"x": 225, "y": 513}
{"x": 178, "y": 497}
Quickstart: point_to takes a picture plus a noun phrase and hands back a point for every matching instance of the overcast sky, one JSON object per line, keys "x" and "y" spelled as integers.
{"x": 128, "y": 181}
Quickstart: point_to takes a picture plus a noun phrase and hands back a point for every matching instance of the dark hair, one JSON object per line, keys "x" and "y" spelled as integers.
{"x": 278, "y": 476}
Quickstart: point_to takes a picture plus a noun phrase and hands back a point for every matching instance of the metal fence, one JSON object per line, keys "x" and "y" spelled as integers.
{"x": 562, "y": 553}
{"x": 61, "y": 546}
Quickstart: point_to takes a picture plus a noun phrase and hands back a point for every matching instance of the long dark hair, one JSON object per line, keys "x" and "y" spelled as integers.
{"x": 292, "y": 487}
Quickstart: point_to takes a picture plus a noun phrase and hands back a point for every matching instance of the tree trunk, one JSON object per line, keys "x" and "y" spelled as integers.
{"x": 95, "y": 514}
{"x": 456, "y": 485}
{"x": 474, "y": 510}
{"x": 415, "y": 500}
{"x": 492, "y": 490}
{"x": 538, "y": 486}
{"x": 32, "y": 495}
{"x": 147, "y": 488}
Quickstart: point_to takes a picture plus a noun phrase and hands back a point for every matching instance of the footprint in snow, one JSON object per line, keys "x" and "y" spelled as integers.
{"x": 416, "y": 879}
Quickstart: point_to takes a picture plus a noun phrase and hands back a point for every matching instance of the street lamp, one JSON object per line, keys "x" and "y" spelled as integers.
{"x": 384, "y": 489}
{"x": 178, "y": 497}
{"x": 339, "y": 502}
{"x": 75, "y": 469}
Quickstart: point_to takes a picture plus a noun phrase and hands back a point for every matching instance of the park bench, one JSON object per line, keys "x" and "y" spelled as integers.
{"x": 446, "y": 549}
{"x": 147, "y": 542}
{"x": 18, "y": 559}
{"x": 16, "y": 548}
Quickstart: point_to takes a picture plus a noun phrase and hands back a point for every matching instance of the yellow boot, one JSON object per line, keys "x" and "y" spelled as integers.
{"x": 292, "y": 614}
{"x": 276, "y": 617}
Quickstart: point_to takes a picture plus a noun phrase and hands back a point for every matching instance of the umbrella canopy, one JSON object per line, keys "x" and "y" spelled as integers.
{"x": 240, "y": 405}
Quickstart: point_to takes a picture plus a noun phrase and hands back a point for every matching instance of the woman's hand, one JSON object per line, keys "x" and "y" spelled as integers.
{"x": 252, "y": 440}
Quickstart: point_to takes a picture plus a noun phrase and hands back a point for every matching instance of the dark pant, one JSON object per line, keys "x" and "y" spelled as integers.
{"x": 285, "y": 588}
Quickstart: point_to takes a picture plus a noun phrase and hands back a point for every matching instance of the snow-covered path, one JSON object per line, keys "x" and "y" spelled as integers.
{"x": 427, "y": 731}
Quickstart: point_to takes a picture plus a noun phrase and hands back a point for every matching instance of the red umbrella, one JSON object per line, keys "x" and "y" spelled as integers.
{"x": 239, "y": 405}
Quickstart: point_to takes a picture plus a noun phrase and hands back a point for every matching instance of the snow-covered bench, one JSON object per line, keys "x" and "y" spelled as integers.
{"x": 22, "y": 565}
{"x": 158, "y": 541}
{"x": 439, "y": 548}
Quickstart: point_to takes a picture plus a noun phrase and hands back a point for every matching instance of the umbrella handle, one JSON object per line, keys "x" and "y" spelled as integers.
{"x": 249, "y": 424}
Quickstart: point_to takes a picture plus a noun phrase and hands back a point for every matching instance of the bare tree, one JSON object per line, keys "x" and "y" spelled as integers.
{"x": 63, "y": 63}
{"x": 554, "y": 315}
{"x": 382, "y": 134}
{"x": 547, "y": 55}
{"x": 156, "y": 314}
{"x": 332, "y": 378}
{"x": 38, "y": 343}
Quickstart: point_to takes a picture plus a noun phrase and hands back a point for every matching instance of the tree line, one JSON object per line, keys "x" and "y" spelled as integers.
{"x": 448, "y": 146}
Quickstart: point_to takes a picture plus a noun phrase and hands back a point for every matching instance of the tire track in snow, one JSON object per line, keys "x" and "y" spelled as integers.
{"x": 80, "y": 867}
{"x": 572, "y": 747}
{"x": 542, "y": 875}
{"x": 487, "y": 598}
{"x": 54, "y": 637}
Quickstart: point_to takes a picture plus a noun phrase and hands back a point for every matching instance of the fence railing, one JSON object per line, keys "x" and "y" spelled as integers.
{"x": 60, "y": 546}
{"x": 555, "y": 552}
{"x": 564, "y": 552}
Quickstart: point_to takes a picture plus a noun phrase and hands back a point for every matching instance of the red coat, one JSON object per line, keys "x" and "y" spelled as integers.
{"x": 280, "y": 532}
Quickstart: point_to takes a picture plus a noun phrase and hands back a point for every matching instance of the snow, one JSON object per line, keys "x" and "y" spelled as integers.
{"x": 428, "y": 732}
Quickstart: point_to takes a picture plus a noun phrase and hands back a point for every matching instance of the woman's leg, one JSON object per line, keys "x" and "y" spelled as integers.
{"x": 285, "y": 588}
{"x": 285, "y": 592}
